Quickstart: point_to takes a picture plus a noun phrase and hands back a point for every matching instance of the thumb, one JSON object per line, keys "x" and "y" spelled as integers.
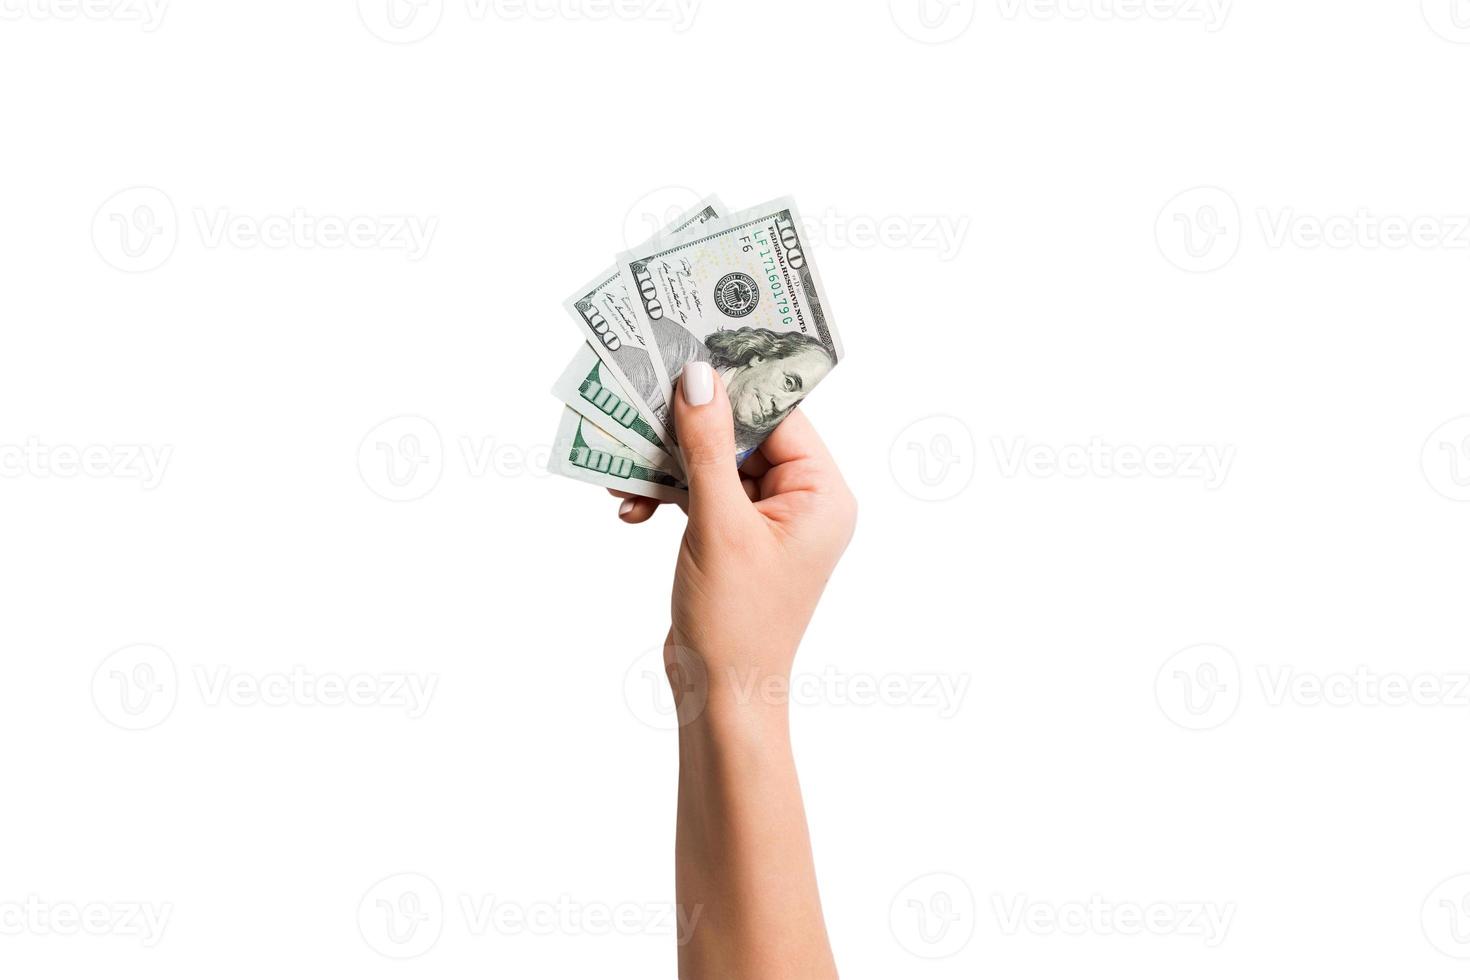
{"x": 706, "y": 434}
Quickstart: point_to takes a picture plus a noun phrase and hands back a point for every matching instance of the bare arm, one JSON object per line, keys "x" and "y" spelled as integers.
{"x": 742, "y": 854}
{"x": 759, "y": 547}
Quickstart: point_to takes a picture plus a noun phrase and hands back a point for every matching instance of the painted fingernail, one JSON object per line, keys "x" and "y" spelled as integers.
{"x": 699, "y": 383}
{"x": 626, "y": 508}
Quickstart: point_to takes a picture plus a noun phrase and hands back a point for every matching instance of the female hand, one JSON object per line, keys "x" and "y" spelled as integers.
{"x": 755, "y": 557}
{"x": 757, "y": 551}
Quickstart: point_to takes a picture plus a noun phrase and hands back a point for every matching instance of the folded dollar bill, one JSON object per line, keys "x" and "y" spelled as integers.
{"x": 584, "y": 452}
{"x": 740, "y": 291}
{"x": 587, "y": 388}
{"x": 604, "y": 311}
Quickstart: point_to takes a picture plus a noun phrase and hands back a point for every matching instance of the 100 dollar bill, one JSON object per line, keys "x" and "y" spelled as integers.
{"x": 742, "y": 293}
{"x": 584, "y": 452}
{"x": 604, "y": 311}
{"x": 586, "y": 387}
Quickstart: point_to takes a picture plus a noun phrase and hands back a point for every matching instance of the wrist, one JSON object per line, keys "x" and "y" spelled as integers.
{"x": 738, "y": 704}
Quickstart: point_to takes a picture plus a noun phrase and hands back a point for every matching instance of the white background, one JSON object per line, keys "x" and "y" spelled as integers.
{"x": 1087, "y": 761}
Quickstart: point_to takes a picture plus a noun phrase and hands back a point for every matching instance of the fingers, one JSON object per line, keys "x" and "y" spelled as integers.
{"x": 794, "y": 439}
{"x": 706, "y": 435}
{"x": 755, "y": 466}
{"x": 799, "y": 460}
{"x": 634, "y": 509}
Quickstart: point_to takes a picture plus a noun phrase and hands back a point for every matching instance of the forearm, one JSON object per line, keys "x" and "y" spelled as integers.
{"x": 743, "y": 860}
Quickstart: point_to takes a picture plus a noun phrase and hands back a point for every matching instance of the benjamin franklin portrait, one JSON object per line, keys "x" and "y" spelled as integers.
{"x": 766, "y": 372}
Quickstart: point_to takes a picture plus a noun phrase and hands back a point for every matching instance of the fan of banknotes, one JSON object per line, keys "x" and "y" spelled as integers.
{"x": 740, "y": 291}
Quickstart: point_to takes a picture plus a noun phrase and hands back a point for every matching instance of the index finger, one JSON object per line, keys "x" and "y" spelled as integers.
{"x": 794, "y": 439}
